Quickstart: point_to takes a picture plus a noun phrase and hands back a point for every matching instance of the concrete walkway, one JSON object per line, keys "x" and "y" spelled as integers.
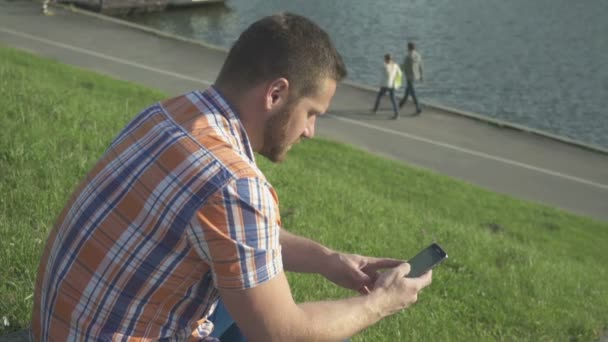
{"x": 504, "y": 159}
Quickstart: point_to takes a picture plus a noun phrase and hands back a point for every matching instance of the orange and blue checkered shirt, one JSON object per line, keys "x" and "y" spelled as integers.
{"x": 175, "y": 209}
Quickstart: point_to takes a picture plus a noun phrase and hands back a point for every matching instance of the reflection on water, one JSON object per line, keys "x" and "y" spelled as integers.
{"x": 540, "y": 63}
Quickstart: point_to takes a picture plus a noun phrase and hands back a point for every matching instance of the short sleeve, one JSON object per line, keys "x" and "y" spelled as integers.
{"x": 237, "y": 232}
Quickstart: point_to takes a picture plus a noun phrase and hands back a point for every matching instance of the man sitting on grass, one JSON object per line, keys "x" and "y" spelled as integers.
{"x": 175, "y": 233}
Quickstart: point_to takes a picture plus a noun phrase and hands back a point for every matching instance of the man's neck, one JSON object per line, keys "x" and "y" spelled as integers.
{"x": 244, "y": 104}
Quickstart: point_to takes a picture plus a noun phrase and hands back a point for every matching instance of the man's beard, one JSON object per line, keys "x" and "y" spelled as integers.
{"x": 275, "y": 137}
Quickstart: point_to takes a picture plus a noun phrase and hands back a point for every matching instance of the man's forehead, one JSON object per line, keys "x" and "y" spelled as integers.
{"x": 321, "y": 100}
{"x": 326, "y": 92}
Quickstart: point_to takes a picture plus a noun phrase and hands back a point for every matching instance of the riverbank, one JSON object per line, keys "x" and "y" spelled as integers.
{"x": 517, "y": 270}
{"x": 130, "y": 7}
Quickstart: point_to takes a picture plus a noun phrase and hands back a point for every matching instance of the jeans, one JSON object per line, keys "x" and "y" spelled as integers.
{"x": 409, "y": 89}
{"x": 224, "y": 326}
{"x": 391, "y": 93}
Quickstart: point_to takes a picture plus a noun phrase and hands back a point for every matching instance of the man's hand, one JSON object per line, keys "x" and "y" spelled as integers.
{"x": 356, "y": 272}
{"x": 394, "y": 292}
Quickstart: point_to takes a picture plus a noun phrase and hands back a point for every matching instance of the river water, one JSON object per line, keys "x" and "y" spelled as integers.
{"x": 538, "y": 63}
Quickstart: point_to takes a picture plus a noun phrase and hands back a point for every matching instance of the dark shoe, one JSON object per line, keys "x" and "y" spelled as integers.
{"x": 401, "y": 104}
{"x": 395, "y": 117}
{"x": 418, "y": 111}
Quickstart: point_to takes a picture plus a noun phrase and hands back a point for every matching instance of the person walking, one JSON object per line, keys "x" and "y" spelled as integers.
{"x": 175, "y": 233}
{"x": 391, "y": 72}
{"x": 46, "y": 4}
{"x": 412, "y": 68}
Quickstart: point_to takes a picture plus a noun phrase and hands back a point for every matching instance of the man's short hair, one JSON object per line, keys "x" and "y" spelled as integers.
{"x": 283, "y": 45}
{"x": 411, "y": 46}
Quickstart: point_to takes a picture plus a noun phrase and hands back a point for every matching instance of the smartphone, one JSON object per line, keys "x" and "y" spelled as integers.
{"x": 428, "y": 258}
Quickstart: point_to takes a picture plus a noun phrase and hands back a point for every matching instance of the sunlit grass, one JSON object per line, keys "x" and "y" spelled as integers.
{"x": 517, "y": 271}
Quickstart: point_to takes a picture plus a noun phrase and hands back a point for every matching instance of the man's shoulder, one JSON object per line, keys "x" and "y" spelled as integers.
{"x": 232, "y": 159}
{"x": 216, "y": 150}
{"x": 214, "y": 130}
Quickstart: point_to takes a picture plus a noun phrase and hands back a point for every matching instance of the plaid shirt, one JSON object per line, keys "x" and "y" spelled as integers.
{"x": 175, "y": 209}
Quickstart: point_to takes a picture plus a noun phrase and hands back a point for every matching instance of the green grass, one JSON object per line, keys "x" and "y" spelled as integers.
{"x": 517, "y": 270}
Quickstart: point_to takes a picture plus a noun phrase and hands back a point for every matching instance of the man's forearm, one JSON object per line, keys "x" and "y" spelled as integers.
{"x": 321, "y": 321}
{"x": 340, "y": 319}
{"x": 303, "y": 255}
{"x": 268, "y": 313}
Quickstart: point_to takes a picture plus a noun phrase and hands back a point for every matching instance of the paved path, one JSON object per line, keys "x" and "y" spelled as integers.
{"x": 502, "y": 159}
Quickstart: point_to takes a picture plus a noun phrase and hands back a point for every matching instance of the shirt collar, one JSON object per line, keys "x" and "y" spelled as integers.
{"x": 223, "y": 107}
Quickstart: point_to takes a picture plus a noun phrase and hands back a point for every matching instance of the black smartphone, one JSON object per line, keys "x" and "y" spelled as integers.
{"x": 428, "y": 258}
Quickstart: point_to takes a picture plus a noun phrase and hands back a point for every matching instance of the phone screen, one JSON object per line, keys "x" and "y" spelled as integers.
{"x": 425, "y": 260}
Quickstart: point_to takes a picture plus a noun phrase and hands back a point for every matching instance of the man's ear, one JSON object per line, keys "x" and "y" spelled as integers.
{"x": 277, "y": 94}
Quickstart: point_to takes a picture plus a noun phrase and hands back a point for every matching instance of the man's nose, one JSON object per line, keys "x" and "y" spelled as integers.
{"x": 309, "y": 131}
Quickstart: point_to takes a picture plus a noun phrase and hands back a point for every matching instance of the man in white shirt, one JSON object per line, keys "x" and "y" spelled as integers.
{"x": 45, "y": 7}
{"x": 390, "y": 72}
{"x": 412, "y": 67}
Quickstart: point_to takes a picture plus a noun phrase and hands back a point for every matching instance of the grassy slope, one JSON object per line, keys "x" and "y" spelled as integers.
{"x": 517, "y": 271}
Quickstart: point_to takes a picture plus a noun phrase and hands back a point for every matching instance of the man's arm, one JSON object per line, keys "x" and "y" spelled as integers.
{"x": 268, "y": 312}
{"x": 248, "y": 272}
{"x": 420, "y": 68}
{"x": 303, "y": 255}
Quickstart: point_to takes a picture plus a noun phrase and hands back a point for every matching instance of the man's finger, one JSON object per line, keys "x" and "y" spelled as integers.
{"x": 424, "y": 280}
{"x": 362, "y": 277}
{"x": 377, "y": 263}
{"x": 364, "y": 290}
{"x": 403, "y": 269}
